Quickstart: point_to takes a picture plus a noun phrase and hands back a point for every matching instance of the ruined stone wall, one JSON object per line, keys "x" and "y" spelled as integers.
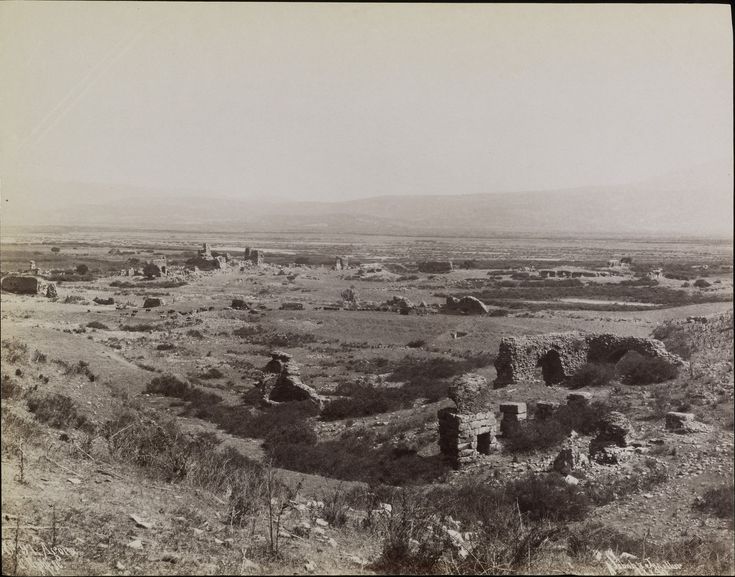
{"x": 560, "y": 355}
{"x": 607, "y": 348}
{"x": 464, "y": 437}
{"x": 21, "y": 284}
{"x": 518, "y": 357}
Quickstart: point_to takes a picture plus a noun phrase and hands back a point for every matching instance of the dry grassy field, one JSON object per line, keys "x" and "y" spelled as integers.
{"x": 114, "y": 411}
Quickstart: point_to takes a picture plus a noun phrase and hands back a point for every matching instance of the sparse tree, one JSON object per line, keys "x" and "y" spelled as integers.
{"x": 82, "y": 269}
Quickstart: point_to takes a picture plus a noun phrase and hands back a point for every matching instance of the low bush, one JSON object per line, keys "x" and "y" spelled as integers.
{"x": 247, "y": 331}
{"x": 140, "y": 328}
{"x": 718, "y": 501}
{"x": 165, "y": 347}
{"x": 536, "y": 435}
{"x": 170, "y": 386}
{"x": 56, "y": 410}
{"x": 592, "y": 375}
{"x": 211, "y": 373}
{"x": 416, "y": 344}
{"x": 9, "y": 388}
{"x": 97, "y": 325}
{"x": 635, "y": 369}
{"x": 364, "y": 402}
{"x": 550, "y": 498}
{"x": 16, "y": 351}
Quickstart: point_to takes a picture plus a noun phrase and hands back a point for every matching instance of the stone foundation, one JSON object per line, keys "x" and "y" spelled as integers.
{"x": 513, "y": 414}
{"x": 463, "y": 438}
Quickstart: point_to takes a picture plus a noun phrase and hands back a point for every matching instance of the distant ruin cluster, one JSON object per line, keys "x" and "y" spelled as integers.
{"x": 560, "y": 355}
{"x": 341, "y": 263}
{"x": 253, "y": 256}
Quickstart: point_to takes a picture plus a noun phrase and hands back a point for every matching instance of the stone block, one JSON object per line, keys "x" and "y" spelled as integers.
{"x": 513, "y": 408}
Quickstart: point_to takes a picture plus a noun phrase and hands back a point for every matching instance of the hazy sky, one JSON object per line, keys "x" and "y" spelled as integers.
{"x": 329, "y": 102}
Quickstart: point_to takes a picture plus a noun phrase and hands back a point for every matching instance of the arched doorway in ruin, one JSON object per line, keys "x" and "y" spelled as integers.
{"x": 551, "y": 369}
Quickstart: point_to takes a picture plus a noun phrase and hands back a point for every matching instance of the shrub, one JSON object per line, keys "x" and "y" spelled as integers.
{"x": 194, "y": 333}
{"x": 16, "y": 351}
{"x": 82, "y": 269}
{"x": 701, "y": 283}
{"x": 140, "y": 328}
{"x": 247, "y": 331}
{"x": 55, "y": 249}
{"x": 416, "y": 344}
{"x": 168, "y": 386}
{"x": 97, "y": 325}
{"x": 364, "y": 402}
{"x": 550, "y": 498}
{"x": 56, "y": 410}
{"x": 718, "y": 501}
{"x": 535, "y": 435}
{"x": 635, "y": 369}
{"x": 9, "y": 389}
{"x": 212, "y": 373}
{"x": 165, "y": 347}
{"x": 592, "y": 375}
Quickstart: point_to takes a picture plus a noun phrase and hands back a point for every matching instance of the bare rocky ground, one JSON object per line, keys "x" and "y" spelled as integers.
{"x": 212, "y": 481}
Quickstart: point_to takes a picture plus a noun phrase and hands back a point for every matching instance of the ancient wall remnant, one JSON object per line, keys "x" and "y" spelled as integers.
{"x": 560, "y": 355}
{"x": 22, "y": 284}
{"x": 281, "y": 382}
{"x": 513, "y": 414}
{"x": 467, "y": 430}
{"x": 155, "y": 268}
{"x": 151, "y": 302}
{"x": 253, "y": 256}
{"x": 432, "y": 266}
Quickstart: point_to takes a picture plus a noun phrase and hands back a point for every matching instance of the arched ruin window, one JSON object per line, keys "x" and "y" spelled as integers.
{"x": 551, "y": 368}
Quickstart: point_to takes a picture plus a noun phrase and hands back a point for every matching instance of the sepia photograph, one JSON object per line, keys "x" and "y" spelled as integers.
{"x": 364, "y": 288}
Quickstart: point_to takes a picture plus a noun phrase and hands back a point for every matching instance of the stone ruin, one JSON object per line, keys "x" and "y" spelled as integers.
{"x": 341, "y": 263}
{"x": 254, "y": 256}
{"x": 436, "y": 267}
{"x": 466, "y": 305}
{"x": 27, "y": 285}
{"x": 467, "y": 430}
{"x": 152, "y": 302}
{"x": 560, "y": 355}
{"x": 155, "y": 268}
{"x": 207, "y": 259}
{"x": 281, "y": 382}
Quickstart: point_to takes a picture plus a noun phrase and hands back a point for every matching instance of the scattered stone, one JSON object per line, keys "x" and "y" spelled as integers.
{"x": 135, "y": 544}
{"x": 684, "y": 423}
{"x": 140, "y": 522}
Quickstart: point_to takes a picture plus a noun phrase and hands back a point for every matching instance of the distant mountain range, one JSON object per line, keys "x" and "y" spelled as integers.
{"x": 692, "y": 204}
